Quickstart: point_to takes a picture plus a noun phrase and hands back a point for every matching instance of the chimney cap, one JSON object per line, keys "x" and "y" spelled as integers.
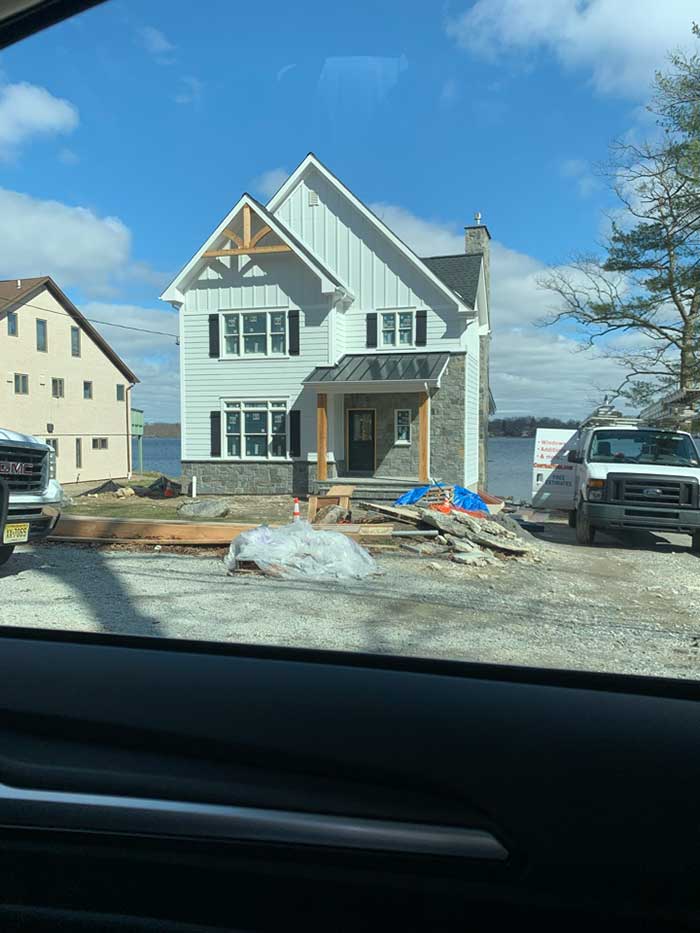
{"x": 482, "y": 228}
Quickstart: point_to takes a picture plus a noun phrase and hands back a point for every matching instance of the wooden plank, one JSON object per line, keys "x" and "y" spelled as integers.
{"x": 228, "y": 232}
{"x": 313, "y": 508}
{"x": 423, "y": 439}
{"x": 263, "y": 231}
{"x": 246, "y": 224}
{"x": 341, "y": 490}
{"x": 249, "y": 251}
{"x": 151, "y": 531}
{"x": 321, "y": 436}
{"x": 404, "y": 513}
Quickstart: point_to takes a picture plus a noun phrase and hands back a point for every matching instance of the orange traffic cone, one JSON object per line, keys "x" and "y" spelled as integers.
{"x": 296, "y": 513}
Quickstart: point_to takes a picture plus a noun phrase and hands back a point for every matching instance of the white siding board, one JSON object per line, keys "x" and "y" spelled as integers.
{"x": 375, "y": 271}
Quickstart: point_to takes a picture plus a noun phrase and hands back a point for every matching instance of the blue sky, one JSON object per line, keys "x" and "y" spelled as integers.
{"x": 128, "y": 132}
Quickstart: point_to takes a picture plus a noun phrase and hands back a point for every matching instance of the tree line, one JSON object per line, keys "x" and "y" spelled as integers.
{"x": 161, "y": 429}
{"x": 526, "y": 426}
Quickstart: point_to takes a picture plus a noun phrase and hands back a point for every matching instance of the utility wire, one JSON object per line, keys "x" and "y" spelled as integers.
{"x": 143, "y": 330}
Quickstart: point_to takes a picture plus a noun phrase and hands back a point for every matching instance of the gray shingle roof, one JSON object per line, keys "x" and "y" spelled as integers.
{"x": 382, "y": 367}
{"x": 460, "y": 273}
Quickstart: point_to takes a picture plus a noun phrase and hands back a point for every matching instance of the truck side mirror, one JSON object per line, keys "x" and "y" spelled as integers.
{"x": 573, "y": 456}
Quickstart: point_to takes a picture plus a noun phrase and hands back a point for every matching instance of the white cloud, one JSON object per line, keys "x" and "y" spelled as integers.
{"x": 26, "y": 111}
{"x": 618, "y": 44}
{"x": 156, "y": 44}
{"x": 153, "y": 357}
{"x": 68, "y": 156}
{"x": 190, "y": 90}
{"x": 534, "y": 370}
{"x": 270, "y": 181}
{"x": 580, "y": 172}
{"x": 72, "y": 244}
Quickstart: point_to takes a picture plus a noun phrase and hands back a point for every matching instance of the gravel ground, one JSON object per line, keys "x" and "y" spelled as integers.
{"x": 625, "y": 605}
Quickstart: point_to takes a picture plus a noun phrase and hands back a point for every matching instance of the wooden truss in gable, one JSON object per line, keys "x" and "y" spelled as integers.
{"x": 247, "y": 245}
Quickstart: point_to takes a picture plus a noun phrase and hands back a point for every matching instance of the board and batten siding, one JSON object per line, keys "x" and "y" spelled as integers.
{"x": 471, "y": 409}
{"x": 378, "y": 274}
{"x": 277, "y": 282}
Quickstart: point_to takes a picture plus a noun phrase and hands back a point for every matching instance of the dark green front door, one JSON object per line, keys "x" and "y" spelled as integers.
{"x": 361, "y": 440}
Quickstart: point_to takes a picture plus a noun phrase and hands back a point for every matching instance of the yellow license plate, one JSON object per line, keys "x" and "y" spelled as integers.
{"x": 15, "y": 534}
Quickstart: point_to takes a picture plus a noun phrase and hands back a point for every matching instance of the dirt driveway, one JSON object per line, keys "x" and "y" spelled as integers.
{"x": 628, "y": 606}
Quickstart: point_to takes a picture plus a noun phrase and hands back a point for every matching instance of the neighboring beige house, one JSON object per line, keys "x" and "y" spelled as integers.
{"x": 62, "y": 382}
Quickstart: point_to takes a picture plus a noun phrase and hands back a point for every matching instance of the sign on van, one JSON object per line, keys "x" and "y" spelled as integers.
{"x": 553, "y": 477}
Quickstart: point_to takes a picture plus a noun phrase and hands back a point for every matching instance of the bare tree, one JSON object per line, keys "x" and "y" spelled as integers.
{"x": 639, "y": 303}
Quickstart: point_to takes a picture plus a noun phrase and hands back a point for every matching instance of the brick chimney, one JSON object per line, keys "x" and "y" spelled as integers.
{"x": 477, "y": 240}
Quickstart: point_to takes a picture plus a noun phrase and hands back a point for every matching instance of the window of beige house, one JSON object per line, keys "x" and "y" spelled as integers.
{"x": 75, "y": 341}
{"x": 57, "y": 388}
{"x": 42, "y": 336}
{"x": 99, "y": 443}
{"x": 87, "y": 390}
{"x": 12, "y": 327}
{"x": 21, "y": 384}
{"x": 120, "y": 393}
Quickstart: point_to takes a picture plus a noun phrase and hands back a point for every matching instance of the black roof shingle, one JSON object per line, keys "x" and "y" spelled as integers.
{"x": 459, "y": 272}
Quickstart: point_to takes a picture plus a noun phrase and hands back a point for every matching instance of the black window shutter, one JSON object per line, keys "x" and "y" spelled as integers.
{"x": 214, "y": 335}
{"x": 371, "y": 330}
{"x": 215, "y": 426}
{"x": 295, "y": 433}
{"x": 293, "y": 318}
{"x": 421, "y": 327}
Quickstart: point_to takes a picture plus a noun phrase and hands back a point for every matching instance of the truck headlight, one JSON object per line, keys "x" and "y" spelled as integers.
{"x": 52, "y": 464}
{"x": 596, "y": 489}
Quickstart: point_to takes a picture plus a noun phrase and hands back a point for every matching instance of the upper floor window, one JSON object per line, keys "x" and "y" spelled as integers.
{"x": 75, "y": 341}
{"x": 263, "y": 333}
{"x": 120, "y": 393}
{"x": 57, "y": 388}
{"x": 12, "y": 324}
{"x": 87, "y": 390}
{"x": 42, "y": 340}
{"x": 397, "y": 329}
{"x": 21, "y": 384}
{"x": 53, "y": 442}
{"x": 100, "y": 443}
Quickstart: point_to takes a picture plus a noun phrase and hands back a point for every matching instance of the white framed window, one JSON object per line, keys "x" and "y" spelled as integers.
{"x": 254, "y": 333}
{"x": 57, "y": 388}
{"x": 255, "y": 429}
{"x": 397, "y": 329}
{"x": 100, "y": 443}
{"x": 53, "y": 442}
{"x": 21, "y": 384}
{"x": 75, "y": 341}
{"x": 42, "y": 336}
{"x": 402, "y": 426}
{"x": 12, "y": 328}
{"x": 121, "y": 395}
{"x": 87, "y": 390}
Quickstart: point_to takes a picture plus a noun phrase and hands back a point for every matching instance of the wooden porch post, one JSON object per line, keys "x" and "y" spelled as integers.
{"x": 321, "y": 436}
{"x": 423, "y": 439}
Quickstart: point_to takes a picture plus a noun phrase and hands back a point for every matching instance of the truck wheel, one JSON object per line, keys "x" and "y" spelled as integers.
{"x": 585, "y": 534}
{"x": 572, "y": 518}
{"x": 695, "y": 544}
{"x": 6, "y": 553}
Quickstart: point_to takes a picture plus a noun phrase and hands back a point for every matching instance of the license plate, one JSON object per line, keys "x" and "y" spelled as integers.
{"x": 15, "y": 534}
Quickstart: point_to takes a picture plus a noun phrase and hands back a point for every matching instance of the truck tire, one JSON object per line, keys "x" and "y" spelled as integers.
{"x": 585, "y": 534}
{"x": 6, "y": 553}
{"x": 572, "y": 518}
{"x": 695, "y": 543}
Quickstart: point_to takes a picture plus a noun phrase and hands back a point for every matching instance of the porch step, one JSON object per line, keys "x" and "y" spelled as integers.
{"x": 370, "y": 489}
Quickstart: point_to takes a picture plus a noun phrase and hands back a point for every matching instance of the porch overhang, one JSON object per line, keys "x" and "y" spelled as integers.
{"x": 381, "y": 372}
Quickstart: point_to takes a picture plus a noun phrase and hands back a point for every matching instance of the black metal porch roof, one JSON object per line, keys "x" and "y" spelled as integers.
{"x": 382, "y": 367}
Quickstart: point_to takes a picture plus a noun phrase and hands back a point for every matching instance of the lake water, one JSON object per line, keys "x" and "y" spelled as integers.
{"x": 510, "y": 462}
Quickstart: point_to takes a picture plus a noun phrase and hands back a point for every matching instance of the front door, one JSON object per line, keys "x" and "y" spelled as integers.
{"x": 361, "y": 440}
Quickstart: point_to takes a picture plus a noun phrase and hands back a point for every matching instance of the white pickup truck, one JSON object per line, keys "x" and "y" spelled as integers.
{"x": 625, "y": 475}
{"x": 30, "y": 498}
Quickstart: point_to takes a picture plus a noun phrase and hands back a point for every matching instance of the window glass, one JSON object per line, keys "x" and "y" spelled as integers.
{"x": 255, "y": 333}
{"x": 41, "y": 336}
{"x": 75, "y": 341}
{"x": 403, "y": 426}
{"x": 259, "y": 431}
{"x": 231, "y": 337}
{"x": 405, "y": 329}
{"x": 57, "y": 388}
{"x": 53, "y": 442}
{"x": 21, "y": 384}
{"x": 121, "y": 394}
{"x": 99, "y": 443}
{"x": 255, "y": 433}
{"x": 388, "y": 330}
{"x": 278, "y": 325}
{"x": 78, "y": 452}
{"x": 87, "y": 390}
{"x": 12, "y": 329}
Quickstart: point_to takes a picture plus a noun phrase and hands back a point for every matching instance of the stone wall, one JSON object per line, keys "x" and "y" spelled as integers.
{"x": 400, "y": 460}
{"x": 447, "y": 424}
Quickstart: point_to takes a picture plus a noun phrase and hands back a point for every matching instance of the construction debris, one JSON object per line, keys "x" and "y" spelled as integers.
{"x": 204, "y": 508}
{"x": 297, "y": 551}
{"x": 331, "y": 514}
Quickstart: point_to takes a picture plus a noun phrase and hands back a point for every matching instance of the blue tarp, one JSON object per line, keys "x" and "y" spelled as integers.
{"x": 464, "y": 498}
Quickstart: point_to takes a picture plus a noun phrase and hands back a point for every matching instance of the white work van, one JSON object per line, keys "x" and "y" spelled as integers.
{"x": 619, "y": 474}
